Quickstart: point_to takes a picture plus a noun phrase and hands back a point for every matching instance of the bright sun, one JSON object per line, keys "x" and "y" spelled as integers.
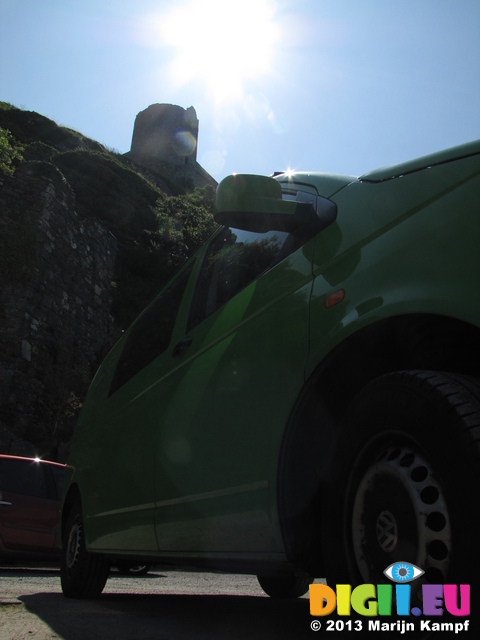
{"x": 221, "y": 44}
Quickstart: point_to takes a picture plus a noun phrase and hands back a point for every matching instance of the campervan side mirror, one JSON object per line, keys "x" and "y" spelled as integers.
{"x": 254, "y": 203}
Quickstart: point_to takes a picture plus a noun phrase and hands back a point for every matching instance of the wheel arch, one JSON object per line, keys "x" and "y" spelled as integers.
{"x": 72, "y": 497}
{"x": 313, "y": 432}
{"x": 415, "y": 341}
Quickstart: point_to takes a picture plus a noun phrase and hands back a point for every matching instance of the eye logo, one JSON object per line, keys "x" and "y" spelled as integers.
{"x": 403, "y": 572}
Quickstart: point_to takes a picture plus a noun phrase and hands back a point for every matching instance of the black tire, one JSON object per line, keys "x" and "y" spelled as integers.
{"x": 404, "y": 481}
{"x": 83, "y": 574}
{"x": 285, "y": 586}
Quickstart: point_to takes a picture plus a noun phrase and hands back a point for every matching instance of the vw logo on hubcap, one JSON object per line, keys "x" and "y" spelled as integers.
{"x": 387, "y": 531}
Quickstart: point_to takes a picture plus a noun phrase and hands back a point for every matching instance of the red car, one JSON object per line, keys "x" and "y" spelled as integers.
{"x": 30, "y": 493}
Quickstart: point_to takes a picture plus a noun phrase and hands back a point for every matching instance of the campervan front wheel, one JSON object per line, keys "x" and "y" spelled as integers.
{"x": 406, "y": 475}
{"x": 83, "y": 574}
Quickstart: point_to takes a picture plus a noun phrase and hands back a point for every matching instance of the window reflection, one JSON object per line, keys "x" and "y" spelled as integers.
{"x": 234, "y": 259}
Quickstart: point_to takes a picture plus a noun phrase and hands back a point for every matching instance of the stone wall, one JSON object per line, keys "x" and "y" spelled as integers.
{"x": 55, "y": 325}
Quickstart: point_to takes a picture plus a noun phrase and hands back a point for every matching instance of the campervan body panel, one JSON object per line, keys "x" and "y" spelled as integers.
{"x": 214, "y": 432}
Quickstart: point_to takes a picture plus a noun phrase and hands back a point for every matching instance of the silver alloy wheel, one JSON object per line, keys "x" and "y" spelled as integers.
{"x": 73, "y": 545}
{"x": 387, "y": 531}
{"x": 397, "y": 495}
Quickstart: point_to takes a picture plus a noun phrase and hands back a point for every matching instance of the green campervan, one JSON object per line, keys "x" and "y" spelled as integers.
{"x": 302, "y": 399}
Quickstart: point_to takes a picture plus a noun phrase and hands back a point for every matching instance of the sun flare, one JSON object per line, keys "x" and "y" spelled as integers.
{"x": 221, "y": 44}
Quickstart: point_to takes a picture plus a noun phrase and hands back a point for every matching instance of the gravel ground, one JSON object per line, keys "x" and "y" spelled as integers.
{"x": 162, "y": 605}
{"x": 167, "y": 605}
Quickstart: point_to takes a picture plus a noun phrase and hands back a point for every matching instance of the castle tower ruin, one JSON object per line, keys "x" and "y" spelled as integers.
{"x": 165, "y": 132}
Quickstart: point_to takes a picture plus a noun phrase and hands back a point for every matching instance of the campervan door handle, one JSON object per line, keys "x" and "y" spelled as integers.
{"x": 181, "y": 346}
{"x": 5, "y": 504}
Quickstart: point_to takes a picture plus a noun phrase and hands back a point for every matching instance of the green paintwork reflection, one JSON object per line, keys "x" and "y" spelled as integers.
{"x": 182, "y": 458}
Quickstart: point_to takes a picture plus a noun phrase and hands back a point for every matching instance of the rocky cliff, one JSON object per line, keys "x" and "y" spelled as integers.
{"x": 87, "y": 237}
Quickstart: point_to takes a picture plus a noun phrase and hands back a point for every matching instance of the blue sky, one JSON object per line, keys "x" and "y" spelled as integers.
{"x": 332, "y": 85}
